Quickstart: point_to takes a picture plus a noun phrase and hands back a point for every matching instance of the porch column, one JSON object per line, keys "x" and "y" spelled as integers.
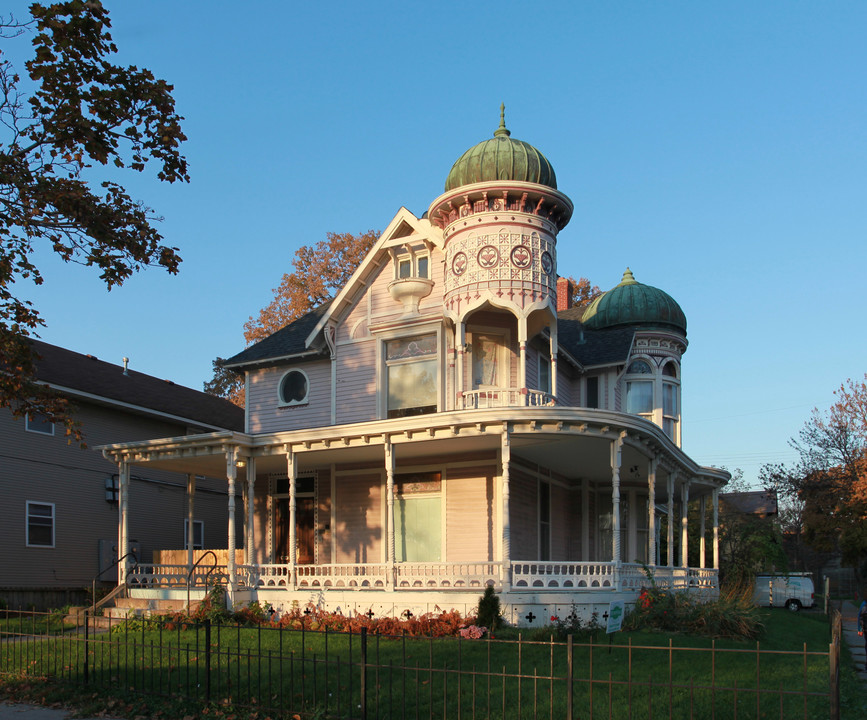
{"x": 460, "y": 352}
{"x": 702, "y": 506}
{"x": 292, "y": 474}
{"x": 191, "y": 494}
{"x": 585, "y": 520}
{"x": 389, "y": 512}
{"x": 251, "y": 514}
{"x": 522, "y": 356}
{"x": 123, "y": 521}
{"x": 684, "y": 513}
{"x": 670, "y": 533}
{"x": 554, "y": 349}
{"x": 616, "y": 455}
{"x": 231, "y": 476}
{"x": 716, "y": 528}
{"x": 651, "y": 512}
{"x": 506, "y": 551}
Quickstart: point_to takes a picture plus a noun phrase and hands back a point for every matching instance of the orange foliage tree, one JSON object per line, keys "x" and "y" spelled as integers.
{"x": 830, "y": 477}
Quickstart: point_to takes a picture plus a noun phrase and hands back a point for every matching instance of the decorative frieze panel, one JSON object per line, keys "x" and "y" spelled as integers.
{"x": 515, "y": 262}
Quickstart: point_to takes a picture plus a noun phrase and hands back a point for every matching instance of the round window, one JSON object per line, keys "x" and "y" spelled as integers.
{"x": 293, "y": 387}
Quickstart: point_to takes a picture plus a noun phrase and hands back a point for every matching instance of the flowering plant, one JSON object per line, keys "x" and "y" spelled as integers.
{"x": 473, "y": 632}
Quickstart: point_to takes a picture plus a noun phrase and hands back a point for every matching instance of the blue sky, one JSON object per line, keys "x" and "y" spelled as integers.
{"x": 717, "y": 149}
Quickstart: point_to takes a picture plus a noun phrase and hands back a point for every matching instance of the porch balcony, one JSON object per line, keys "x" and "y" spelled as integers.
{"x": 517, "y": 576}
{"x": 500, "y": 397}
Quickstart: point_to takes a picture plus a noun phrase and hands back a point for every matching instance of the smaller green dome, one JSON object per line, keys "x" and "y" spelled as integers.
{"x": 632, "y": 303}
{"x": 501, "y": 158}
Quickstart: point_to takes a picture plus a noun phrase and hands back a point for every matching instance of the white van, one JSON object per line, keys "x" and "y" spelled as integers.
{"x": 792, "y": 591}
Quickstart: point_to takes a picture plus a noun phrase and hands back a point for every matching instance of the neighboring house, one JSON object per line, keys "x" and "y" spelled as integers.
{"x": 449, "y": 422}
{"x": 758, "y": 503}
{"x": 59, "y": 515}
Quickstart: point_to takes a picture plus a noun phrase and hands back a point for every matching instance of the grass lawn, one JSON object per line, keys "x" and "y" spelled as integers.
{"x": 641, "y": 674}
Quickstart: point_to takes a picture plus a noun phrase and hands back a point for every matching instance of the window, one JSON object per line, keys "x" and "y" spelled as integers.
{"x": 487, "y": 356}
{"x": 412, "y": 266}
{"x": 544, "y": 521}
{"x": 418, "y": 517}
{"x": 639, "y": 393}
{"x": 411, "y": 374}
{"x": 294, "y": 387}
{"x": 544, "y": 374}
{"x": 593, "y": 392}
{"x": 669, "y": 410}
{"x": 40, "y": 524}
{"x": 38, "y": 423}
{"x": 198, "y": 534}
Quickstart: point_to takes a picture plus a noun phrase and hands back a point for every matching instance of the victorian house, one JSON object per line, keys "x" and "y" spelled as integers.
{"x": 450, "y": 421}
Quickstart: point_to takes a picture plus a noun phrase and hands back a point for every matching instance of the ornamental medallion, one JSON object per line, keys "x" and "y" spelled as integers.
{"x": 459, "y": 263}
{"x": 488, "y": 257}
{"x": 547, "y": 263}
{"x": 521, "y": 257}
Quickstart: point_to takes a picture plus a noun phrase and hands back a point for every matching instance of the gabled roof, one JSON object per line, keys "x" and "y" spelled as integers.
{"x": 84, "y": 376}
{"x": 288, "y": 342}
{"x": 592, "y": 348}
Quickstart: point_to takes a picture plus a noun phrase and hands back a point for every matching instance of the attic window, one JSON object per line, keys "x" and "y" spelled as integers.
{"x": 412, "y": 265}
{"x": 38, "y": 423}
{"x": 294, "y": 387}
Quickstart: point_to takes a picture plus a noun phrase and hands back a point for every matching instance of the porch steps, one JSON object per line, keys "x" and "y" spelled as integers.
{"x": 145, "y": 607}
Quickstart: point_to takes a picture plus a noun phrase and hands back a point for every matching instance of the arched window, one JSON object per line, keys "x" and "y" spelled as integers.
{"x": 294, "y": 387}
{"x": 670, "y": 403}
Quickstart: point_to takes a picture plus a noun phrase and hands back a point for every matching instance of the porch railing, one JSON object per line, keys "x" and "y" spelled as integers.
{"x": 503, "y": 397}
{"x": 525, "y": 576}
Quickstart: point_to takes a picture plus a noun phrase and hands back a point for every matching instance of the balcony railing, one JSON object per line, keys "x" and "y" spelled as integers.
{"x": 503, "y": 397}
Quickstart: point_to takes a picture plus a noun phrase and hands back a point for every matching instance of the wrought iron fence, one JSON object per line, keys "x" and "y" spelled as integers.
{"x": 285, "y": 671}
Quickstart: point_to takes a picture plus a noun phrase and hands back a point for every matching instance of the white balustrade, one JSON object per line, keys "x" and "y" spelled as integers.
{"x": 503, "y": 397}
{"x": 448, "y": 575}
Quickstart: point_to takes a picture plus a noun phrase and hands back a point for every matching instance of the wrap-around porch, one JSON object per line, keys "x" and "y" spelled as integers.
{"x": 532, "y": 501}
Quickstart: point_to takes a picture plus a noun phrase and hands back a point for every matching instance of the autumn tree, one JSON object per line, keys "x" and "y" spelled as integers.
{"x": 829, "y": 479}
{"x": 65, "y": 132}
{"x": 583, "y": 293}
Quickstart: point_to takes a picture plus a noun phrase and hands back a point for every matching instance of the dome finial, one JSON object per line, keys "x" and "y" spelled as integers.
{"x": 502, "y": 130}
{"x": 628, "y": 278}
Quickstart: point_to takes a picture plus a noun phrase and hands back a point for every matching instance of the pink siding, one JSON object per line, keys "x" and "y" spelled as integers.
{"x": 524, "y": 515}
{"x": 264, "y": 411}
{"x": 564, "y": 524}
{"x": 358, "y": 504}
{"x": 470, "y": 514}
{"x": 356, "y": 382}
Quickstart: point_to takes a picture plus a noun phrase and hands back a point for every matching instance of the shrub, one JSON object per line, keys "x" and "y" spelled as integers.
{"x": 488, "y": 612}
{"x": 573, "y": 625}
{"x": 733, "y": 615}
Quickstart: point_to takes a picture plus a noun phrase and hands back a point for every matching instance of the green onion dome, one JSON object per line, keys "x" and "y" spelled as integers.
{"x": 632, "y": 303}
{"x": 501, "y": 158}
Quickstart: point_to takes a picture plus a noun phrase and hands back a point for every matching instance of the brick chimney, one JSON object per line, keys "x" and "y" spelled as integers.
{"x": 564, "y": 294}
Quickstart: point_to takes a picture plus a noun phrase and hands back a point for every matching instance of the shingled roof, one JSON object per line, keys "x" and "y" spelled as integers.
{"x": 288, "y": 341}
{"x": 592, "y": 347}
{"x": 86, "y": 375}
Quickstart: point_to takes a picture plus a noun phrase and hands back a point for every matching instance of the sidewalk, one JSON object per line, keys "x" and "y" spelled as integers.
{"x": 19, "y": 711}
{"x": 855, "y": 643}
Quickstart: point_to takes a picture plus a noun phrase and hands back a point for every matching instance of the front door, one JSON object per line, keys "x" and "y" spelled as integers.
{"x": 304, "y": 531}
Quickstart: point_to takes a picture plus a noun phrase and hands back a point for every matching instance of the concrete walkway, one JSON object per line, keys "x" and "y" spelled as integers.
{"x": 855, "y": 643}
{"x": 20, "y": 711}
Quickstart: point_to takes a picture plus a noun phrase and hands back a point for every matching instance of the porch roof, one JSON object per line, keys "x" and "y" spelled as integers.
{"x": 572, "y": 442}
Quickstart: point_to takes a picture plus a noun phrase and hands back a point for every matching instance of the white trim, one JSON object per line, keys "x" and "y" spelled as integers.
{"x": 27, "y": 542}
